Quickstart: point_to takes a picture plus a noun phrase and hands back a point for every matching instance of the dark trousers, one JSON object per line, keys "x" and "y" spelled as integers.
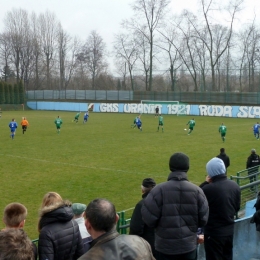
{"x": 218, "y": 248}
{"x": 188, "y": 256}
{"x": 253, "y": 178}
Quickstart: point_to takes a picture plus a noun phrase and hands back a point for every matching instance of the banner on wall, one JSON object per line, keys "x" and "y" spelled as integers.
{"x": 196, "y": 110}
{"x": 137, "y": 108}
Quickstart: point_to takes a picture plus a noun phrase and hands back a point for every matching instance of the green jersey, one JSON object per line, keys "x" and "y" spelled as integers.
{"x": 160, "y": 120}
{"x": 191, "y": 123}
{"x": 58, "y": 122}
{"x": 222, "y": 129}
{"x": 77, "y": 116}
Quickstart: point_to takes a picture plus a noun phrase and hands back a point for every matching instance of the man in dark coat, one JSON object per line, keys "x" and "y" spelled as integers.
{"x": 224, "y": 158}
{"x": 252, "y": 161}
{"x": 137, "y": 225}
{"x": 223, "y": 196}
{"x": 176, "y": 209}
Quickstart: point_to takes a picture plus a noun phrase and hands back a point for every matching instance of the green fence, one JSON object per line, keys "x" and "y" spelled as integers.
{"x": 249, "y": 189}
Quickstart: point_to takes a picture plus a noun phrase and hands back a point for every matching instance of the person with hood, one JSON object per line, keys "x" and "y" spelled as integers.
{"x": 137, "y": 225}
{"x": 176, "y": 208}
{"x": 59, "y": 238}
{"x": 223, "y": 197}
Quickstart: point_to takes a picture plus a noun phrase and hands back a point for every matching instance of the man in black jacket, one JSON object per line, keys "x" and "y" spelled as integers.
{"x": 223, "y": 197}
{"x": 176, "y": 208}
{"x": 137, "y": 225}
{"x": 224, "y": 158}
{"x": 252, "y": 161}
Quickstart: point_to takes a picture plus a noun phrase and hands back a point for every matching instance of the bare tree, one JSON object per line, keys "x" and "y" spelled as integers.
{"x": 63, "y": 41}
{"x": 174, "y": 58}
{"x": 144, "y": 57}
{"x": 209, "y": 7}
{"x": 48, "y": 31}
{"x": 93, "y": 55}
{"x": 125, "y": 48}
{"x": 185, "y": 45}
{"x": 71, "y": 61}
{"x": 36, "y": 50}
{"x": 5, "y": 53}
{"x": 16, "y": 23}
{"x": 148, "y": 17}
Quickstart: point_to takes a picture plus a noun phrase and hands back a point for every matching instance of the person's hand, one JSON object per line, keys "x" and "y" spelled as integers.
{"x": 200, "y": 239}
{"x": 208, "y": 179}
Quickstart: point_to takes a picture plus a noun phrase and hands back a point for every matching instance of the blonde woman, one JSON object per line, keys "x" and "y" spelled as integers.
{"x": 59, "y": 234}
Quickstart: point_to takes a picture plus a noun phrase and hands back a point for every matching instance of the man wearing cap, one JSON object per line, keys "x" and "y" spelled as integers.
{"x": 78, "y": 210}
{"x": 223, "y": 197}
{"x": 137, "y": 225}
{"x": 252, "y": 161}
{"x": 176, "y": 209}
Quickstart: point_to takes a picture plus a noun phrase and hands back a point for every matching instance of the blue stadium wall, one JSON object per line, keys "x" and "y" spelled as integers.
{"x": 166, "y": 109}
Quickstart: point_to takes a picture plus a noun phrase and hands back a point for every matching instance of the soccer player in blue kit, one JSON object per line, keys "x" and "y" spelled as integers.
{"x": 12, "y": 126}
{"x": 138, "y": 123}
{"x": 86, "y": 115}
{"x": 256, "y": 130}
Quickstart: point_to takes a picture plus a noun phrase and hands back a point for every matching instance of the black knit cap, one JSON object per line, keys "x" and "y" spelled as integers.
{"x": 179, "y": 162}
{"x": 148, "y": 183}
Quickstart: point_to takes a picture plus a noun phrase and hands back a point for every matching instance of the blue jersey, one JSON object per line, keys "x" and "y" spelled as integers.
{"x": 86, "y": 116}
{"x": 138, "y": 121}
{"x": 256, "y": 128}
{"x": 13, "y": 126}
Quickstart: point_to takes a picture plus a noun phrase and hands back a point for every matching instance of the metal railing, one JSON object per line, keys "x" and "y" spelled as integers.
{"x": 249, "y": 188}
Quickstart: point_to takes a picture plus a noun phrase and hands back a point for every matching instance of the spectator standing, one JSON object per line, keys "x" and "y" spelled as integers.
{"x": 15, "y": 245}
{"x": 59, "y": 237}
{"x": 253, "y": 161}
{"x": 79, "y": 211}
{"x": 176, "y": 209}
{"x": 101, "y": 219}
{"x": 14, "y": 218}
{"x": 24, "y": 124}
{"x": 224, "y": 158}
{"x": 223, "y": 197}
{"x": 156, "y": 111}
{"x": 137, "y": 225}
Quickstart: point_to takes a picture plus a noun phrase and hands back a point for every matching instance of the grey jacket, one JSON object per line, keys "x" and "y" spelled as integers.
{"x": 114, "y": 246}
{"x": 176, "y": 209}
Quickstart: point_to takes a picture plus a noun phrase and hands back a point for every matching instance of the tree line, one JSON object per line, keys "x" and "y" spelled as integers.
{"x": 154, "y": 50}
{"x": 12, "y": 93}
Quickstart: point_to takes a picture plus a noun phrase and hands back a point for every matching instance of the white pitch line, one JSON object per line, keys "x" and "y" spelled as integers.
{"x": 83, "y": 166}
{"x": 71, "y": 164}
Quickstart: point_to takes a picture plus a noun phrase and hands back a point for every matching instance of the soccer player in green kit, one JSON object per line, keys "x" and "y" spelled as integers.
{"x": 222, "y": 130}
{"x": 160, "y": 123}
{"x": 58, "y": 123}
{"x": 76, "y": 118}
{"x": 191, "y": 124}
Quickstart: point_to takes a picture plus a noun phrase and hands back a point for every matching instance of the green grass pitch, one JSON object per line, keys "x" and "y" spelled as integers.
{"x": 106, "y": 157}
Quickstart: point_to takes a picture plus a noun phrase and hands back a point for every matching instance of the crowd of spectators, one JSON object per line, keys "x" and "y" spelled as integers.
{"x": 169, "y": 222}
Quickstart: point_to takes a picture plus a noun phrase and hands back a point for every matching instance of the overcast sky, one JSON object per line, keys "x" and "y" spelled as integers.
{"x": 80, "y": 17}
